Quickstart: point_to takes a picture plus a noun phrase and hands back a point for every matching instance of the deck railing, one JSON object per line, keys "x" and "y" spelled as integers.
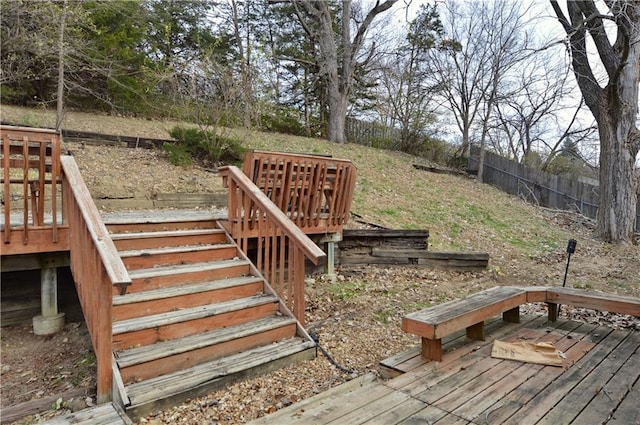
{"x": 31, "y": 177}
{"x": 315, "y": 192}
{"x": 96, "y": 268}
{"x": 281, "y": 247}
{"x": 34, "y": 171}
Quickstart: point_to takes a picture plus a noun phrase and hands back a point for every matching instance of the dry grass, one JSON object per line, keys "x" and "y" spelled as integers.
{"x": 526, "y": 243}
{"x": 358, "y": 317}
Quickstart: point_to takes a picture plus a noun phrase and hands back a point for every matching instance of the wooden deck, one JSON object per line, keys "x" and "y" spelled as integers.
{"x": 105, "y": 414}
{"x": 599, "y": 383}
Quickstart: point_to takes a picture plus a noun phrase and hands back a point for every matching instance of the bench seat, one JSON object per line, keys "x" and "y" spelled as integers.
{"x": 469, "y": 313}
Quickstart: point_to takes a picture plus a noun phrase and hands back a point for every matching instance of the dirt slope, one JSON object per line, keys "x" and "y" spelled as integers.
{"x": 358, "y": 317}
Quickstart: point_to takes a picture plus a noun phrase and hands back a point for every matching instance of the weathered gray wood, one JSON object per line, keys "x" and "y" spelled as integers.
{"x": 548, "y": 396}
{"x": 113, "y": 139}
{"x": 162, "y": 216}
{"x": 173, "y": 249}
{"x": 190, "y": 200}
{"x": 105, "y": 414}
{"x": 583, "y": 394}
{"x": 168, "y": 233}
{"x": 436, "y": 170}
{"x": 538, "y": 187}
{"x": 185, "y": 268}
{"x": 175, "y": 291}
{"x": 187, "y": 380}
{"x": 19, "y": 411}
{"x": 162, "y": 349}
{"x": 194, "y": 313}
{"x": 471, "y": 387}
{"x": 432, "y": 255}
{"x": 440, "y": 320}
{"x": 386, "y": 233}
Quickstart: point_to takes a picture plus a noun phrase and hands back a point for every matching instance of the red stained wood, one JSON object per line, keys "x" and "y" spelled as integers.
{"x": 191, "y": 358}
{"x": 146, "y": 308}
{"x": 177, "y": 330}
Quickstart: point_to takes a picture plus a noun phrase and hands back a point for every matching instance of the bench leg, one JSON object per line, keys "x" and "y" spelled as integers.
{"x": 512, "y": 315}
{"x": 432, "y": 349}
{"x": 476, "y": 331}
{"x": 553, "y": 311}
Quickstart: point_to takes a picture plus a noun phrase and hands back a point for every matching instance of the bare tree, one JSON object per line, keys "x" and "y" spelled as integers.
{"x": 535, "y": 114}
{"x": 613, "y": 102}
{"x": 485, "y": 42}
{"x": 337, "y": 57}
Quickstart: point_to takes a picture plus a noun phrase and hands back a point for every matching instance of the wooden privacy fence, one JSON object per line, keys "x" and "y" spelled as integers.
{"x": 314, "y": 192}
{"x": 281, "y": 246}
{"x": 365, "y": 132}
{"x": 538, "y": 187}
{"x": 31, "y": 174}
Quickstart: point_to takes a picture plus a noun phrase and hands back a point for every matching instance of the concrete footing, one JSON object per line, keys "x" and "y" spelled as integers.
{"x": 50, "y": 321}
{"x": 48, "y": 325}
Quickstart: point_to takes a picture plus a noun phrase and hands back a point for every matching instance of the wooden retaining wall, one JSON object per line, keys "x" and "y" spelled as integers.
{"x": 402, "y": 247}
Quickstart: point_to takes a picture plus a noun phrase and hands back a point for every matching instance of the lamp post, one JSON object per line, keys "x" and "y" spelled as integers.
{"x": 571, "y": 248}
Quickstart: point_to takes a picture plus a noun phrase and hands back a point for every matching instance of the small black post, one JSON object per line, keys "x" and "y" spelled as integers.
{"x": 571, "y": 248}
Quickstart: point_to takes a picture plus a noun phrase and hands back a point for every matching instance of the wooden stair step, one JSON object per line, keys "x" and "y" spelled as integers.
{"x": 137, "y": 227}
{"x": 164, "y": 233}
{"x": 179, "y": 323}
{"x": 148, "y": 279}
{"x": 185, "y": 268}
{"x": 172, "y": 250}
{"x": 197, "y": 380}
{"x": 162, "y": 300}
{"x": 187, "y": 314}
{"x": 182, "y": 254}
{"x": 176, "y": 291}
{"x": 137, "y": 355}
{"x": 141, "y": 240}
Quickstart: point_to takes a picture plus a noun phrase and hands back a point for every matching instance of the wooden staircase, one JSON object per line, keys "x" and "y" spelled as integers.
{"x": 197, "y": 315}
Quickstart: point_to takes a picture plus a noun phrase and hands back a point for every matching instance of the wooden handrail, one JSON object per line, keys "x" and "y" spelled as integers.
{"x": 96, "y": 267}
{"x": 281, "y": 246}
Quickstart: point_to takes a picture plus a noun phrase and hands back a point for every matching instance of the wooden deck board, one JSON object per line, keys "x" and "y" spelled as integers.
{"x": 599, "y": 384}
{"x": 105, "y": 414}
{"x": 582, "y": 395}
{"x": 627, "y": 411}
{"x": 457, "y": 347}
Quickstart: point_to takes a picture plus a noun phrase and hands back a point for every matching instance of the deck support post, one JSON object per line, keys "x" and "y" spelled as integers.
{"x": 50, "y": 321}
{"x": 331, "y": 240}
{"x": 553, "y": 311}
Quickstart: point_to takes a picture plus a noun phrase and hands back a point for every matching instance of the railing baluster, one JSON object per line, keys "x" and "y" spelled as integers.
{"x": 25, "y": 189}
{"x": 6, "y": 163}
{"x": 55, "y": 175}
{"x": 41, "y": 194}
{"x": 281, "y": 246}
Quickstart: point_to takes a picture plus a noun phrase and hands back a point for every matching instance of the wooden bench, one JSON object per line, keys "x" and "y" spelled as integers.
{"x": 469, "y": 313}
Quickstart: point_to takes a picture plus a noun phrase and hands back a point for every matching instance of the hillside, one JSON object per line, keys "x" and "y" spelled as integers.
{"x": 363, "y": 309}
{"x": 526, "y": 243}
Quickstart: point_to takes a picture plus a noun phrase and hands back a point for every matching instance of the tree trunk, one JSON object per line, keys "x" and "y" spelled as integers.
{"x": 616, "y": 218}
{"x": 337, "y": 118}
{"x": 615, "y": 107}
